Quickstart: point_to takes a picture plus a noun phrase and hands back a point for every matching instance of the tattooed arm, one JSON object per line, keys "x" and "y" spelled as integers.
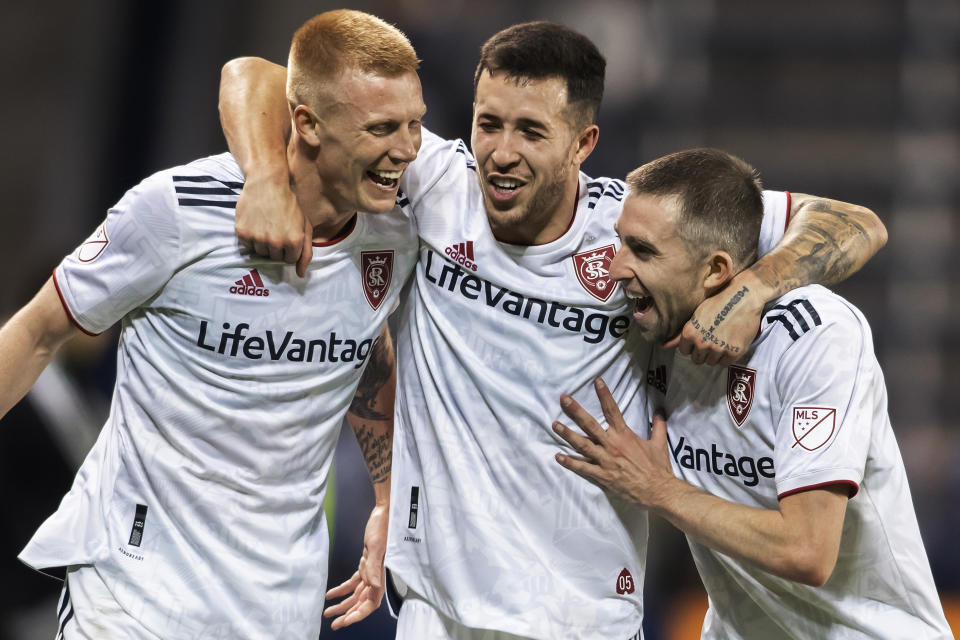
{"x": 826, "y": 242}
{"x": 371, "y": 417}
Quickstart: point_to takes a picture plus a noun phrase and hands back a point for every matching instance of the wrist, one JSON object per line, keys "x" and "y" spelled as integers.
{"x": 757, "y": 286}
{"x": 381, "y": 494}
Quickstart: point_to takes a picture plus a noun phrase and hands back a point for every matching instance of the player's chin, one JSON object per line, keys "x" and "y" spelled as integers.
{"x": 378, "y": 202}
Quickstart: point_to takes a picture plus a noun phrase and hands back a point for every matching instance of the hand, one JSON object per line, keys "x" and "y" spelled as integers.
{"x": 269, "y": 222}
{"x": 364, "y": 589}
{"x": 617, "y": 459}
{"x": 723, "y": 326}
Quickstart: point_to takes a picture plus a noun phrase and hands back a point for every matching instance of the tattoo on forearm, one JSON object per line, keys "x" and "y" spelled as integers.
{"x": 706, "y": 332}
{"x": 377, "y": 450}
{"x": 826, "y": 251}
{"x": 376, "y": 375}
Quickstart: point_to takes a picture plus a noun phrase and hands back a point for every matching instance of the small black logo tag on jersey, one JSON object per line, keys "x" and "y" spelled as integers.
{"x": 414, "y": 507}
{"x": 136, "y": 534}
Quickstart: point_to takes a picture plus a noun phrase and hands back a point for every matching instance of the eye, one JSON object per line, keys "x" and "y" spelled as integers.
{"x": 382, "y": 128}
{"x": 487, "y": 126}
{"x": 532, "y": 134}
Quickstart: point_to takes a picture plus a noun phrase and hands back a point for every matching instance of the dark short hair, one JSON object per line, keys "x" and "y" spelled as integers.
{"x": 721, "y": 199}
{"x": 538, "y": 50}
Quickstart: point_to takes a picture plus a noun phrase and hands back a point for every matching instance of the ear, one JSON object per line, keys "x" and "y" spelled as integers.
{"x": 585, "y": 143}
{"x": 306, "y": 124}
{"x": 719, "y": 270}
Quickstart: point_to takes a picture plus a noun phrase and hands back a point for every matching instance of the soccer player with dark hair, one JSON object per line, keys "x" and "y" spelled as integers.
{"x": 789, "y": 483}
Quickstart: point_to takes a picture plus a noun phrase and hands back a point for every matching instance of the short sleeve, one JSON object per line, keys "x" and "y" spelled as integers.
{"x": 126, "y": 260}
{"x": 824, "y": 380}
{"x": 776, "y": 217}
{"x": 436, "y": 156}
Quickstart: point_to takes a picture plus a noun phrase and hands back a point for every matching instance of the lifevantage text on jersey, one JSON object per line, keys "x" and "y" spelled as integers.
{"x": 454, "y": 278}
{"x": 721, "y": 463}
{"x": 276, "y": 346}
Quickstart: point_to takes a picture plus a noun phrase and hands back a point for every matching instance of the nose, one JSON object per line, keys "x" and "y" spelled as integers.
{"x": 405, "y": 147}
{"x": 505, "y": 154}
{"x": 618, "y": 266}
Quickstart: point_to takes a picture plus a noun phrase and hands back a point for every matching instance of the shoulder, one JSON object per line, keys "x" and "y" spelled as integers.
{"x": 601, "y": 201}
{"x": 214, "y": 181}
{"x": 603, "y": 194}
{"x": 439, "y": 161}
{"x": 814, "y": 317}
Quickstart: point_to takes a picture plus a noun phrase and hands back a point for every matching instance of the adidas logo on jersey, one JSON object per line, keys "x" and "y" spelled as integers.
{"x": 657, "y": 378}
{"x": 250, "y": 285}
{"x": 462, "y": 254}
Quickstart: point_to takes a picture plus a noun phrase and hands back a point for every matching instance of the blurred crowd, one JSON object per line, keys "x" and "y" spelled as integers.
{"x": 859, "y": 101}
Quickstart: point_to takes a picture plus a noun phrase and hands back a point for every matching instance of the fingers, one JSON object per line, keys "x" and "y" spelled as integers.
{"x": 581, "y": 445}
{"x": 583, "y": 419}
{"x": 583, "y": 468}
{"x": 262, "y": 249}
{"x": 658, "y": 430}
{"x": 277, "y": 254}
{"x": 345, "y": 587}
{"x": 358, "y": 613}
{"x": 611, "y": 411}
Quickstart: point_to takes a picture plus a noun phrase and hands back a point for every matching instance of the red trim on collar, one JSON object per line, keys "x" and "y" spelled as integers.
{"x": 345, "y": 231}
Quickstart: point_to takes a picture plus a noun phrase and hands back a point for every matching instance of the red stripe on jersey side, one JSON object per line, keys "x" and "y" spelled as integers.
{"x": 256, "y": 278}
{"x": 852, "y": 486}
{"x": 470, "y": 249}
{"x": 69, "y": 313}
{"x": 247, "y": 280}
{"x": 786, "y": 222}
{"x": 239, "y": 282}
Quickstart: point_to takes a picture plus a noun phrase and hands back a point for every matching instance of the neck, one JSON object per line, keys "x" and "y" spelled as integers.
{"x": 318, "y": 208}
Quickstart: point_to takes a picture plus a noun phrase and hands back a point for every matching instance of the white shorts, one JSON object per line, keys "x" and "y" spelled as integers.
{"x": 88, "y": 611}
{"x": 418, "y": 620}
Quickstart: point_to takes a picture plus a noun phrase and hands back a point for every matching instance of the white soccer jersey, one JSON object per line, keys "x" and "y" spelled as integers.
{"x": 201, "y": 503}
{"x": 484, "y": 524}
{"x": 807, "y": 407}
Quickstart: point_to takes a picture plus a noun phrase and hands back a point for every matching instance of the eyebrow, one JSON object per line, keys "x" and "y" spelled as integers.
{"x": 521, "y": 122}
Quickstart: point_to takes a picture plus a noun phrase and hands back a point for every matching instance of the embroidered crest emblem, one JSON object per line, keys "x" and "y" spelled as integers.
{"x": 376, "y": 269}
{"x": 741, "y": 382}
{"x": 813, "y": 426}
{"x": 93, "y": 246}
{"x": 593, "y": 271}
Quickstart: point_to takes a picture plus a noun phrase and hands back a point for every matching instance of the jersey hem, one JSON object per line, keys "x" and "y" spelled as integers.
{"x": 852, "y": 487}
{"x": 66, "y": 308}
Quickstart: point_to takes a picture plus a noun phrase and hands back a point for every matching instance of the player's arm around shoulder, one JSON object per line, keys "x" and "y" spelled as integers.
{"x": 29, "y": 341}
{"x": 825, "y": 242}
{"x": 256, "y": 123}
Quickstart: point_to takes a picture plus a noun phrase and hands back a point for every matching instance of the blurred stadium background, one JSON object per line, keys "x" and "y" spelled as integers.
{"x": 857, "y": 100}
